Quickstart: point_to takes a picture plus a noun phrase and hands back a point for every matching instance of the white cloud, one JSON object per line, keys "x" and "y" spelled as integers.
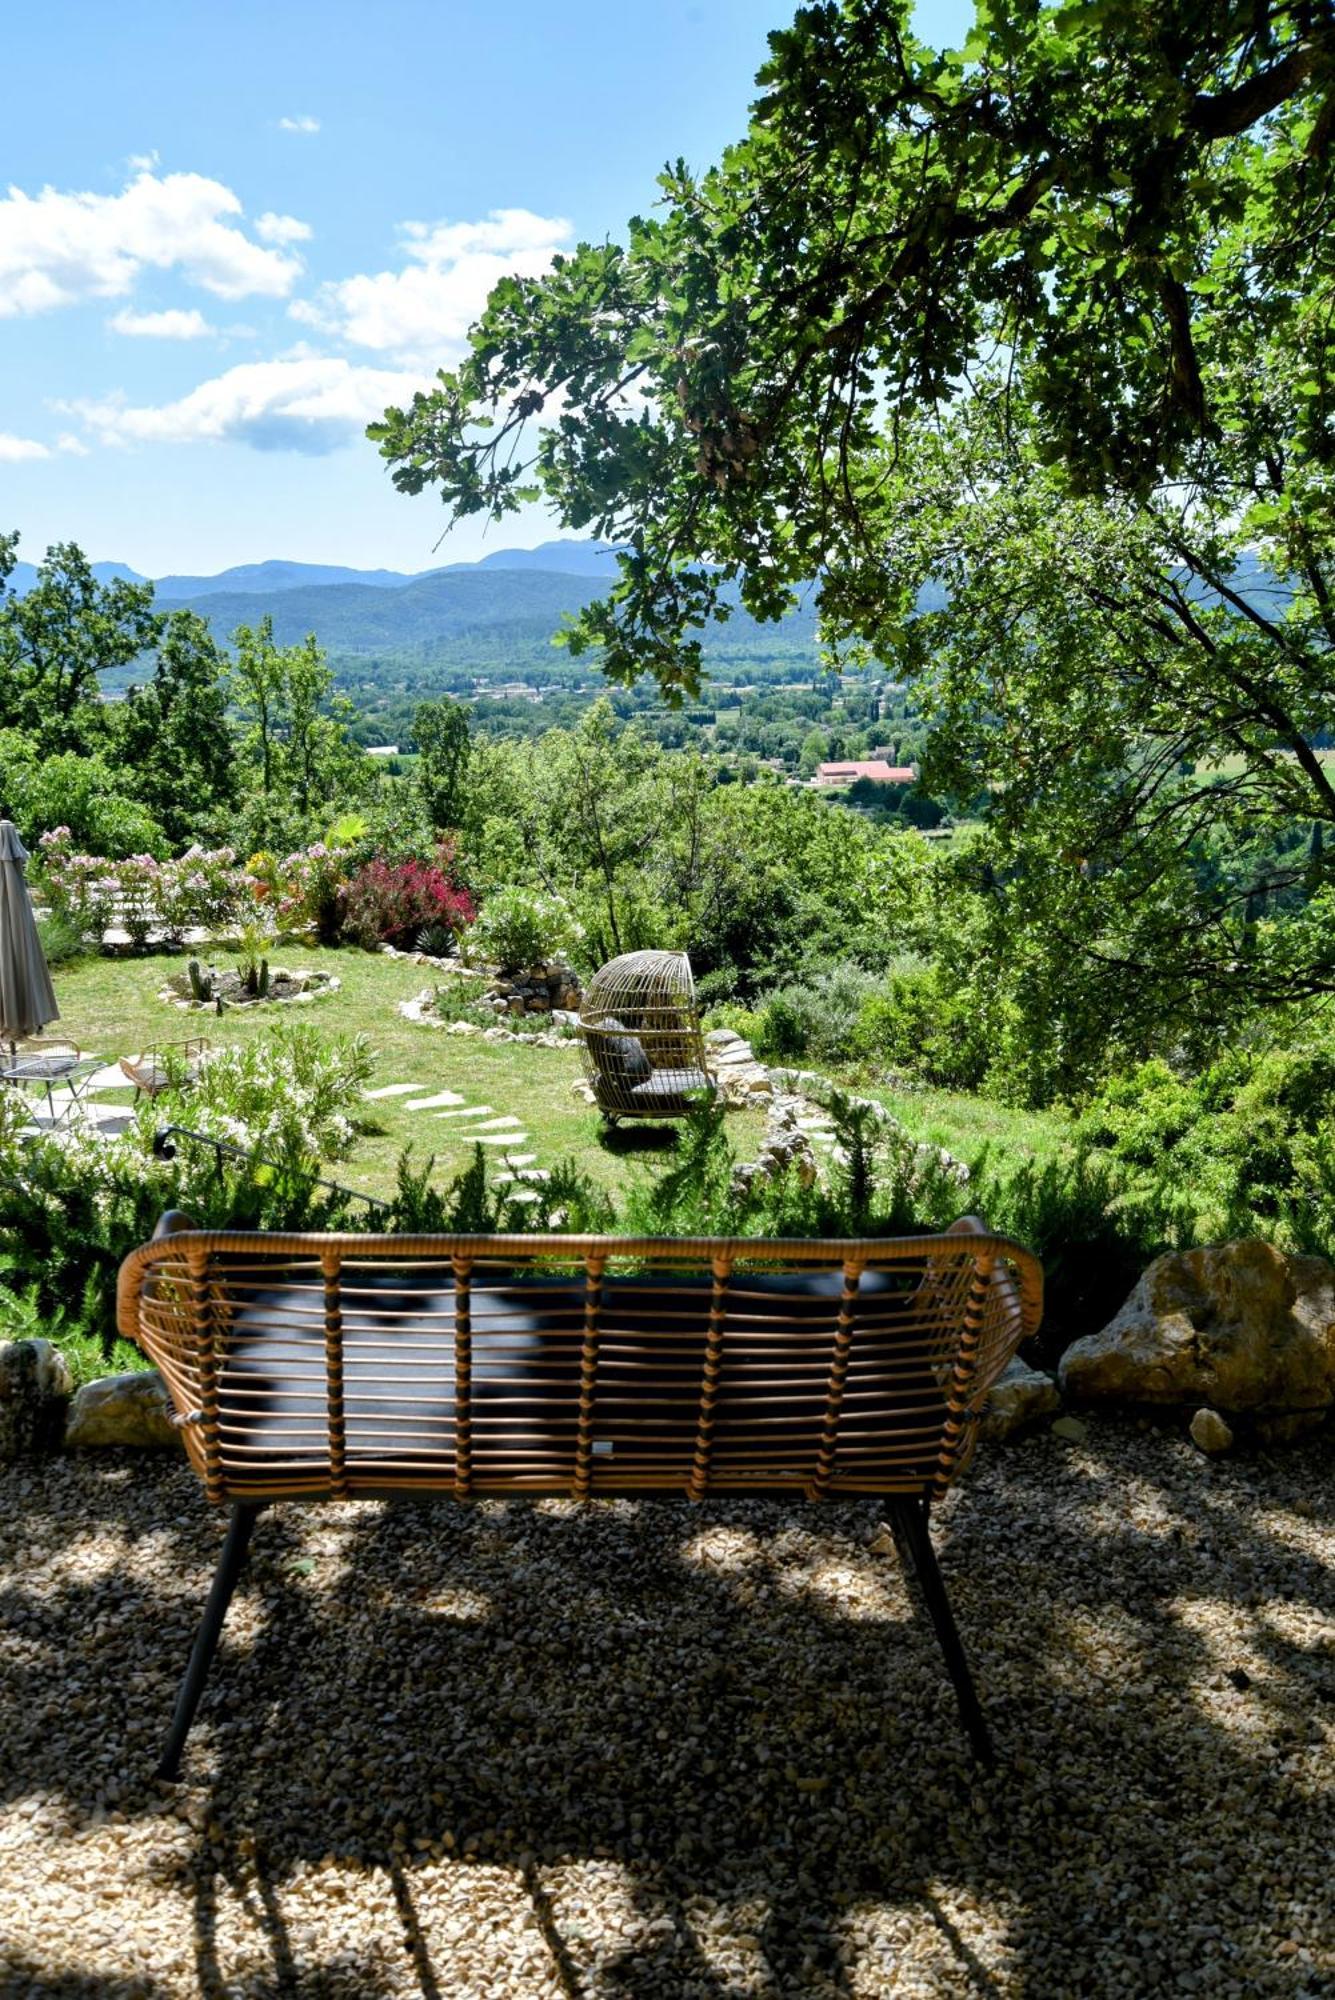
{"x": 58, "y": 248}
{"x": 14, "y": 450}
{"x": 304, "y": 124}
{"x": 143, "y": 163}
{"x": 429, "y": 305}
{"x": 306, "y": 403}
{"x": 74, "y": 446}
{"x": 281, "y": 229}
{"x": 174, "y": 324}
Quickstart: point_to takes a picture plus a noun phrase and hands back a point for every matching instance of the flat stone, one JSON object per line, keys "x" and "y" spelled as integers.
{"x": 131, "y": 1409}
{"x": 1019, "y": 1397}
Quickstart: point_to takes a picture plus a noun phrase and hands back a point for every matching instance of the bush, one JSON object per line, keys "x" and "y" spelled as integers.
{"x": 309, "y": 887}
{"x": 1244, "y": 1146}
{"x": 886, "y": 1184}
{"x": 60, "y": 940}
{"x": 523, "y": 927}
{"x": 567, "y": 1202}
{"x": 390, "y": 902}
{"x": 89, "y": 893}
{"x": 288, "y": 1095}
{"x": 816, "y": 1017}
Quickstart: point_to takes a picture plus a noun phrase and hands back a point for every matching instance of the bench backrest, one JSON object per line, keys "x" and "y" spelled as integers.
{"x": 313, "y": 1365}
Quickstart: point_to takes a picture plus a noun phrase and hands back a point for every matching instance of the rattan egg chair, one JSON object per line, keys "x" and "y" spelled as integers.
{"x": 639, "y": 1026}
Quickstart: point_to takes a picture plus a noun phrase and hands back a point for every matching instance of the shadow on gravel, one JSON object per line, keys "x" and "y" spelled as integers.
{"x": 721, "y": 1724}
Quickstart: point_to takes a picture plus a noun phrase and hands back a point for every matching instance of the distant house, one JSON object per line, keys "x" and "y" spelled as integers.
{"x": 876, "y": 769}
{"x": 382, "y": 749}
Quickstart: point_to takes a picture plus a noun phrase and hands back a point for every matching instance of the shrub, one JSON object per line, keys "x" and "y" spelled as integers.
{"x": 61, "y": 942}
{"x": 461, "y": 1000}
{"x": 88, "y": 893}
{"x": 1244, "y": 1146}
{"x": 288, "y": 1095}
{"x": 816, "y": 1017}
{"x": 567, "y": 1201}
{"x": 309, "y": 887}
{"x": 523, "y": 927}
{"x": 884, "y": 1183}
{"x": 390, "y": 902}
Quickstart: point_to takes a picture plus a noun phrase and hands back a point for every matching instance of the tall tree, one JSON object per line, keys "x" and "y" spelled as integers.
{"x": 59, "y": 638}
{"x": 443, "y": 744}
{"x": 1113, "y": 199}
{"x": 259, "y": 683}
{"x": 173, "y": 735}
{"x": 1040, "y": 331}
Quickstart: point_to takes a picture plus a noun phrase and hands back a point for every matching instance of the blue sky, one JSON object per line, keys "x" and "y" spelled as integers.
{"x": 233, "y": 232}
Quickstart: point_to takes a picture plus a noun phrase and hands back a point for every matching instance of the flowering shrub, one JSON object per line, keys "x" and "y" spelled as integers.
{"x": 203, "y": 889}
{"x": 522, "y": 927}
{"x": 288, "y": 1095}
{"x": 390, "y": 902}
{"x": 311, "y": 887}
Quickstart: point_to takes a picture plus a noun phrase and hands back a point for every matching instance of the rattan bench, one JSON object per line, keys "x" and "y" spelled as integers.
{"x": 328, "y": 1367}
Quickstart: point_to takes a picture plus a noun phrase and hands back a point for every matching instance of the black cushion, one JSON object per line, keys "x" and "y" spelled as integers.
{"x": 623, "y": 1056}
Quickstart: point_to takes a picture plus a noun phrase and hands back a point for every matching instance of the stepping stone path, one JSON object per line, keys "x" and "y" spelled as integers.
{"x": 471, "y": 1124}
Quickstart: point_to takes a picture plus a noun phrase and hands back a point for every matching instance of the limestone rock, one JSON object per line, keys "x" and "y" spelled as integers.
{"x": 35, "y": 1384}
{"x": 732, "y": 1063}
{"x": 1019, "y": 1397}
{"x": 1070, "y": 1430}
{"x": 1240, "y": 1326}
{"x": 1209, "y": 1431}
{"x": 785, "y": 1146}
{"x": 123, "y": 1409}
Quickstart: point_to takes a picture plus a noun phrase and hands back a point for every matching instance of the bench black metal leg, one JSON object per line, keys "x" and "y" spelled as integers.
{"x": 230, "y": 1565}
{"x": 908, "y": 1524}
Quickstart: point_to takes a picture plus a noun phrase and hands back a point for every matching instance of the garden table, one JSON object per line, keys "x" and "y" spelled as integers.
{"x": 47, "y": 1069}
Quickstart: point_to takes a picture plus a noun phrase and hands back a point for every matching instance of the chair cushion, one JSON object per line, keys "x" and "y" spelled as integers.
{"x": 623, "y": 1057}
{"x": 672, "y": 1084}
{"x": 527, "y": 1335}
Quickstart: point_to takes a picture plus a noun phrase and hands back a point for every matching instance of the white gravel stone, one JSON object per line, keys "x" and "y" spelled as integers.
{"x": 675, "y": 1752}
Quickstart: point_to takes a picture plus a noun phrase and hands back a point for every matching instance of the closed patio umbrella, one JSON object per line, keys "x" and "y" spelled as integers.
{"x": 27, "y": 1001}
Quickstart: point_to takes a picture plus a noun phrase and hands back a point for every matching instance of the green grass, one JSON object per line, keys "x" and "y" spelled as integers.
{"x": 110, "y": 1006}
{"x": 965, "y": 1125}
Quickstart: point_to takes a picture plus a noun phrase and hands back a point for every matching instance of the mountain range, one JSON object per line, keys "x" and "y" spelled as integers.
{"x": 568, "y": 558}
{"x": 492, "y": 617}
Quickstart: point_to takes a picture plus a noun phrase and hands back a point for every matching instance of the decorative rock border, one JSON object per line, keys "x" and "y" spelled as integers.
{"x": 304, "y": 988}
{"x": 418, "y": 1011}
{"x": 547, "y": 988}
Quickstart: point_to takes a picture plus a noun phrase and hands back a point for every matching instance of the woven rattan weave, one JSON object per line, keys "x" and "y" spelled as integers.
{"x": 310, "y": 1367}
{"x": 644, "y": 1054}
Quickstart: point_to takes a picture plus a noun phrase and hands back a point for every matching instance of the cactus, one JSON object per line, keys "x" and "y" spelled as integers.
{"x": 262, "y": 983}
{"x": 201, "y": 984}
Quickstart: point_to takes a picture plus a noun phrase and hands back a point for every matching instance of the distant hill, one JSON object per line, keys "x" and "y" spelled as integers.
{"x": 564, "y": 557}
{"x": 479, "y": 616}
{"x": 575, "y": 558}
{"x": 24, "y": 575}
{"x": 265, "y": 578}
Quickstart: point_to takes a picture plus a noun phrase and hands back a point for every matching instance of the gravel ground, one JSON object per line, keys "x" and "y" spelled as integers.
{"x": 641, "y": 1751}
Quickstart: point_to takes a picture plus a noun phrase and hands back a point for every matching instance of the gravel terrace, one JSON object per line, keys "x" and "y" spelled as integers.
{"x": 641, "y": 1751}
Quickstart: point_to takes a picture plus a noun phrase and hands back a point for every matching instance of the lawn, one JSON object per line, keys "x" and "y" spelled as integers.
{"x": 965, "y": 1125}
{"x": 110, "y": 1006}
